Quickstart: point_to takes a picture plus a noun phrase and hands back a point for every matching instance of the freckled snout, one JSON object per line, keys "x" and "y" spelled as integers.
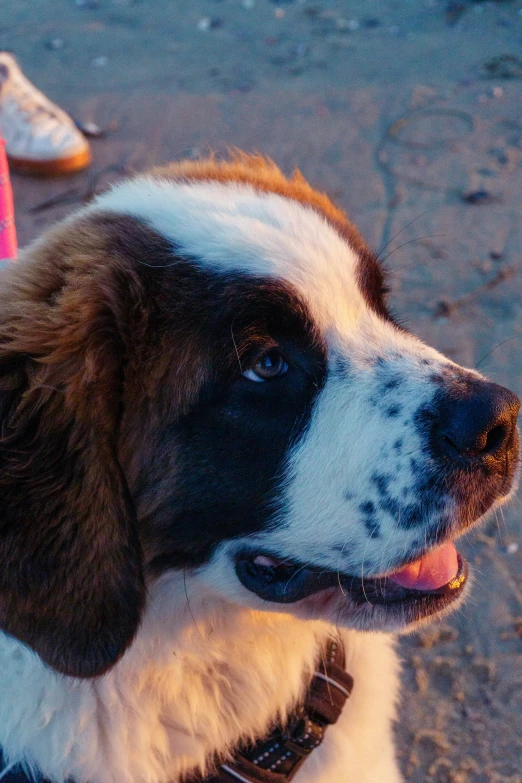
{"x": 476, "y": 424}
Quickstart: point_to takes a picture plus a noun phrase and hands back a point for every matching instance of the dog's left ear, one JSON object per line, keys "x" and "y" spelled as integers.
{"x": 71, "y": 581}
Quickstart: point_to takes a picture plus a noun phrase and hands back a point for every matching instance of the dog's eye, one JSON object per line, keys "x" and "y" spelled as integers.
{"x": 267, "y": 366}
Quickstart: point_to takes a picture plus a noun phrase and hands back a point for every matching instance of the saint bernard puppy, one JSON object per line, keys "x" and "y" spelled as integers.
{"x": 217, "y": 449}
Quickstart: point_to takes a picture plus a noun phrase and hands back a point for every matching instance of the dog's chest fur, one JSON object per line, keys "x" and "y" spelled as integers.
{"x": 191, "y": 685}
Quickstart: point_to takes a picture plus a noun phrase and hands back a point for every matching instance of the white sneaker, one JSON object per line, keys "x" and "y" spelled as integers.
{"x": 40, "y": 138}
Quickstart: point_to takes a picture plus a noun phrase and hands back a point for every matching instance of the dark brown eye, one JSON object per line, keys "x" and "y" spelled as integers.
{"x": 267, "y": 366}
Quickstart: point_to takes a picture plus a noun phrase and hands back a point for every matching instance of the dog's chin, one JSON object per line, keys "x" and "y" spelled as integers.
{"x": 399, "y": 600}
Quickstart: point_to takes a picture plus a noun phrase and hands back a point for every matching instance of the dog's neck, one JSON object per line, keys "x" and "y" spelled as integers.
{"x": 201, "y": 675}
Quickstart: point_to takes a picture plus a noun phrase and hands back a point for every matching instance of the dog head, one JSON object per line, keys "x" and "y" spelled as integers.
{"x": 199, "y": 371}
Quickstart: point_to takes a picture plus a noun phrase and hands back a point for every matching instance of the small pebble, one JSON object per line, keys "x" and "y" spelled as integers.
{"x": 279, "y": 13}
{"x": 483, "y": 266}
{"x": 500, "y": 155}
{"x": 504, "y": 66}
{"x": 209, "y": 23}
{"x": 244, "y": 86}
{"x": 443, "y": 309}
{"x": 101, "y": 61}
{"x": 90, "y": 129}
{"x": 512, "y": 548}
{"x": 478, "y": 197}
{"x": 55, "y": 43}
{"x": 498, "y": 92}
{"x": 496, "y": 255}
{"x": 371, "y": 23}
{"x": 300, "y": 49}
{"x": 347, "y": 24}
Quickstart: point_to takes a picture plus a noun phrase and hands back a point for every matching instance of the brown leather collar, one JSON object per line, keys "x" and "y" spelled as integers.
{"x": 278, "y": 757}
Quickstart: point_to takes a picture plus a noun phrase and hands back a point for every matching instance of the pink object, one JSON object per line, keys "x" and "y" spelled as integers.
{"x": 434, "y": 570}
{"x": 8, "y": 245}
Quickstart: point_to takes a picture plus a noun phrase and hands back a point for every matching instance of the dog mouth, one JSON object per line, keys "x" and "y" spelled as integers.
{"x": 417, "y": 590}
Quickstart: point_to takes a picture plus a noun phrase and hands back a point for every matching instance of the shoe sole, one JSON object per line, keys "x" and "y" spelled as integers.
{"x": 51, "y": 168}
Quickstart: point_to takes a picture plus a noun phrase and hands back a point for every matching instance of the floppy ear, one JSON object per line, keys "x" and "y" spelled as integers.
{"x": 71, "y": 582}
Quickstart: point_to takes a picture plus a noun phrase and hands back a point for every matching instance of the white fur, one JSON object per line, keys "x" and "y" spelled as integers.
{"x": 195, "y": 681}
{"x": 235, "y": 228}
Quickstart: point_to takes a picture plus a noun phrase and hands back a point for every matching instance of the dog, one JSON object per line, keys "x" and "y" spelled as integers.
{"x": 219, "y": 452}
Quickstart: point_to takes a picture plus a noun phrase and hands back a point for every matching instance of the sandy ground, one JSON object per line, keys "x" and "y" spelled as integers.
{"x": 404, "y": 111}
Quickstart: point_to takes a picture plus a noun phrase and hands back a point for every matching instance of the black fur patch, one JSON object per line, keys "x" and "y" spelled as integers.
{"x": 393, "y": 383}
{"x": 372, "y": 525}
{"x": 370, "y": 520}
{"x": 213, "y": 462}
{"x": 367, "y": 508}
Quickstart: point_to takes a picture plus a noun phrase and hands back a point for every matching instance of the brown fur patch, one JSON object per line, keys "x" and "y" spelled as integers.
{"x": 264, "y": 175}
{"x": 259, "y": 172}
{"x": 71, "y": 582}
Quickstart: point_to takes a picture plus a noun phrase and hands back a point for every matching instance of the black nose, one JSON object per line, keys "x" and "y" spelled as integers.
{"x": 476, "y": 420}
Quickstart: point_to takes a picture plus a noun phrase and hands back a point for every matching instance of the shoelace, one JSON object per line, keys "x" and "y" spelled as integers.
{"x": 39, "y": 119}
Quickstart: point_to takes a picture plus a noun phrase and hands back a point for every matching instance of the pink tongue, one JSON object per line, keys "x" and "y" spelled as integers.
{"x": 434, "y": 570}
